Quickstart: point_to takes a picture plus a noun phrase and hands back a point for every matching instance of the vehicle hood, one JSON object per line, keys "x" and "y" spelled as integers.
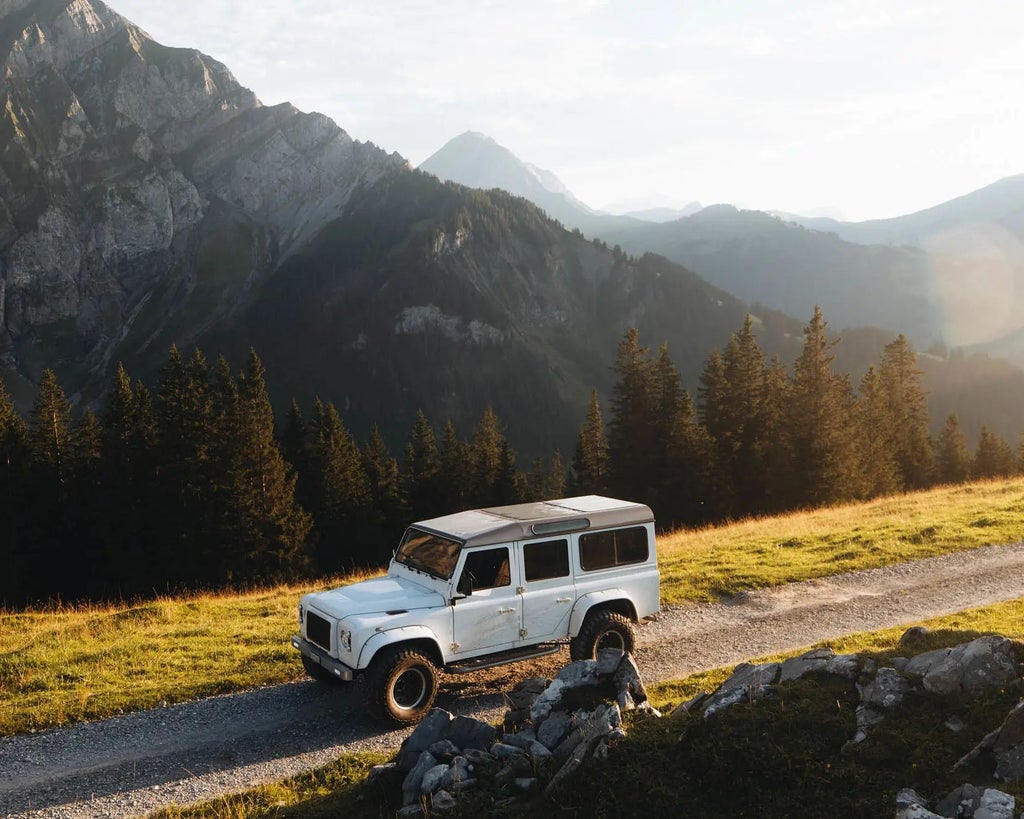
{"x": 381, "y": 594}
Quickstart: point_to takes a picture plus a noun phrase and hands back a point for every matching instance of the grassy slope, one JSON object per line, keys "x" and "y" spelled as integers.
{"x": 778, "y": 758}
{"x": 69, "y": 664}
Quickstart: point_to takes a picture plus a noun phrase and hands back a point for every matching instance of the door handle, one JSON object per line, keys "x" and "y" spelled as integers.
{"x": 563, "y": 600}
{"x": 506, "y": 611}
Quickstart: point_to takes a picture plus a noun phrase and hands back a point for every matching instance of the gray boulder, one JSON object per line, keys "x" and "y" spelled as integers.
{"x": 608, "y": 661}
{"x": 578, "y": 674}
{"x": 434, "y": 727}
{"x": 432, "y": 778}
{"x": 457, "y": 774}
{"x": 746, "y": 683}
{"x": 414, "y": 779}
{"x": 629, "y": 687}
{"x": 467, "y": 732}
{"x": 882, "y": 693}
{"x": 551, "y": 697}
{"x": 969, "y": 668}
{"x": 971, "y": 802}
{"x": 553, "y": 729}
{"x": 908, "y": 797}
{"x": 814, "y": 661}
{"x": 443, "y": 802}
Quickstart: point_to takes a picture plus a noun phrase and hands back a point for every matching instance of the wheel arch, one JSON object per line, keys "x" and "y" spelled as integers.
{"x": 416, "y": 637}
{"x": 610, "y": 600}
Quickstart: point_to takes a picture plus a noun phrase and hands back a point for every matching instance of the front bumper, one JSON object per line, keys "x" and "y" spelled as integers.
{"x": 322, "y": 658}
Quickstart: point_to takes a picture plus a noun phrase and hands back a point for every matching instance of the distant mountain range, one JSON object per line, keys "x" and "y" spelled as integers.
{"x": 947, "y": 274}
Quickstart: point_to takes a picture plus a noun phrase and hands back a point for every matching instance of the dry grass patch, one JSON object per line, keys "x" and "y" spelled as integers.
{"x": 87, "y": 662}
{"x": 720, "y": 561}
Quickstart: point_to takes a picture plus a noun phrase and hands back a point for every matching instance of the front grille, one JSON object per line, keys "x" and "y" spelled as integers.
{"x": 318, "y": 630}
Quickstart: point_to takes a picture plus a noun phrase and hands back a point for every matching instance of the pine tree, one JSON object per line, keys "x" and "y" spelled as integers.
{"x": 879, "y": 472}
{"x": 993, "y": 458}
{"x": 556, "y": 477}
{"x": 509, "y": 483}
{"x": 486, "y": 449}
{"x": 953, "y": 460}
{"x": 422, "y": 472}
{"x": 633, "y": 447}
{"x": 343, "y": 498}
{"x": 15, "y": 580}
{"x": 818, "y": 423}
{"x": 381, "y": 469}
{"x": 900, "y": 381}
{"x": 455, "y": 473}
{"x": 590, "y": 460}
{"x": 269, "y": 527}
{"x": 50, "y": 436}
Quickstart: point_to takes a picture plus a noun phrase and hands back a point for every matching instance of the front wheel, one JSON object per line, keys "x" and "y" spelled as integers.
{"x": 602, "y": 629}
{"x": 401, "y": 684}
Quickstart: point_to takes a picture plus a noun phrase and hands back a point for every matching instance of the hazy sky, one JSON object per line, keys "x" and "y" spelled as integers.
{"x": 854, "y": 108}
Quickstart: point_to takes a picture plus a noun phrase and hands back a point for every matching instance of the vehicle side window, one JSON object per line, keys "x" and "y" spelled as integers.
{"x": 601, "y": 550}
{"x": 488, "y": 568}
{"x": 547, "y": 559}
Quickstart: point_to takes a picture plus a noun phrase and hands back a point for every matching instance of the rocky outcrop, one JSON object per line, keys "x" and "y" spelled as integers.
{"x": 965, "y": 802}
{"x": 552, "y": 728}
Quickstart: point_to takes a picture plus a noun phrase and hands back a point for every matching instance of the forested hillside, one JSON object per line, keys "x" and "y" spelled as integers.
{"x": 189, "y": 483}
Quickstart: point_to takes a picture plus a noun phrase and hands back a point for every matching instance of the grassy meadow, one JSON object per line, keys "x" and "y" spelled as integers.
{"x": 60, "y": 664}
{"x": 789, "y": 745}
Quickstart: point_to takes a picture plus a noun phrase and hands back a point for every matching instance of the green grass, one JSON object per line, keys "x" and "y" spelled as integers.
{"x": 720, "y": 561}
{"x": 761, "y": 760}
{"x": 62, "y": 664}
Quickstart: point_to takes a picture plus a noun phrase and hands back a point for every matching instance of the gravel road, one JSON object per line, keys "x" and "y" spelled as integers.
{"x": 133, "y": 764}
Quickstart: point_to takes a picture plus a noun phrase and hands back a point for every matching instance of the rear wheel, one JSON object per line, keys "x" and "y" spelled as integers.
{"x": 317, "y": 671}
{"x": 401, "y": 684}
{"x": 602, "y": 629}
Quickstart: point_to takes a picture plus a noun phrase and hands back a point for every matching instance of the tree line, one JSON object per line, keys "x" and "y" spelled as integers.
{"x": 193, "y": 486}
{"x": 763, "y": 438}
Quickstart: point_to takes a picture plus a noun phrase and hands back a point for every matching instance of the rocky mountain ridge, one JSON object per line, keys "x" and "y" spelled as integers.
{"x": 124, "y": 161}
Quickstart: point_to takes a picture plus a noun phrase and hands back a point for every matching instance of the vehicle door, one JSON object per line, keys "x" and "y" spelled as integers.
{"x": 489, "y": 618}
{"x": 547, "y": 590}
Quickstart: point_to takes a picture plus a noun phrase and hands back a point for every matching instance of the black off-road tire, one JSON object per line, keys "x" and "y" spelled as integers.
{"x": 317, "y": 671}
{"x": 602, "y": 629}
{"x": 400, "y": 685}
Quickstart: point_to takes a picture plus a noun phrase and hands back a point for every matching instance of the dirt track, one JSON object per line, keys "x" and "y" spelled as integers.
{"x": 136, "y": 763}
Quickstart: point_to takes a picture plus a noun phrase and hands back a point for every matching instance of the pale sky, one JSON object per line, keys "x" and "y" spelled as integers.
{"x": 853, "y": 108}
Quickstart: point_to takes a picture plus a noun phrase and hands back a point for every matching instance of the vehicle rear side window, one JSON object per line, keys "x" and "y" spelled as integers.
{"x": 547, "y": 559}
{"x": 488, "y": 568}
{"x": 602, "y": 550}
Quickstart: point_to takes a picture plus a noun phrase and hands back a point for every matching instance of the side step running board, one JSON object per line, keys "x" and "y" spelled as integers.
{"x": 506, "y": 657}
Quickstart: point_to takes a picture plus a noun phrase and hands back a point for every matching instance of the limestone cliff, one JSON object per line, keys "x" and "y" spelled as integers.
{"x": 141, "y": 185}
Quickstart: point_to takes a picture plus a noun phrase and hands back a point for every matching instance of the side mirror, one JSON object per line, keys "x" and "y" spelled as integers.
{"x": 465, "y": 585}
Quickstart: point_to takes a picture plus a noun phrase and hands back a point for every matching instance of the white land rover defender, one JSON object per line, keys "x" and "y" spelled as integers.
{"x": 482, "y": 588}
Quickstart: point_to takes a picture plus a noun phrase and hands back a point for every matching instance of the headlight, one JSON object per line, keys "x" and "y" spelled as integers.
{"x": 345, "y": 640}
{"x": 300, "y": 614}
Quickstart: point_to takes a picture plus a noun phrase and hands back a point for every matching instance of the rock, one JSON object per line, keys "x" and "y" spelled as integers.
{"x": 746, "y": 683}
{"x": 814, "y": 661}
{"x": 523, "y": 739}
{"x": 526, "y": 783}
{"x": 434, "y": 727}
{"x": 691, "y": 705}
{"x": 969, "y": 668}
{"x": 444, "y": 750}
{"x": 539, "y": 751}
{"x": 908, "y": 797}
{"x": 414, "y": 779}
{"x": 917, "y": 812}
{"x": 886, "y": 690}
{"x": 580, "y": 753}
{"x": 467, "y": 732}
{"x": 899, "y": 663}
{"x": 503, "y": 751}
{"x": 477, "y": 757}
{"x": 410, "y": 810}
{"x": 443, "y": 802}
{"x": 844, "y": 665}
{"x": 463, "y": 785}
{"x": 995, "y": 805}
{"x": 647, "y": 709}
{"x": 432, "y": 778}
{"x": 960, "y": 802}
{"x": 524, "y": 694}
{"x": 546, "y": 701}
{"x": 578, "y": 674}
{"x": 627, "y": 681}
{"x": 955, "y": 724}
{"x": 553, "y": 729}
{"x": 913, "y": 635}
{"x": 456, "y": 774}
{"x": 608, "y": 661}
{"x": 377, "y": 771}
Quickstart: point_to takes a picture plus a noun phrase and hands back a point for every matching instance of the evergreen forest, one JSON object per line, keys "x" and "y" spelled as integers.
{"x": 190, "y": 484}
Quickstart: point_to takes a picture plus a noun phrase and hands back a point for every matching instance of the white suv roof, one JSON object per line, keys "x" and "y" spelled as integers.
{"x": 500, "y": 524}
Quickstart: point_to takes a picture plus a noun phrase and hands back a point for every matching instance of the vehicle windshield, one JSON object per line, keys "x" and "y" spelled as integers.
{"x": 434, "y": 554}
